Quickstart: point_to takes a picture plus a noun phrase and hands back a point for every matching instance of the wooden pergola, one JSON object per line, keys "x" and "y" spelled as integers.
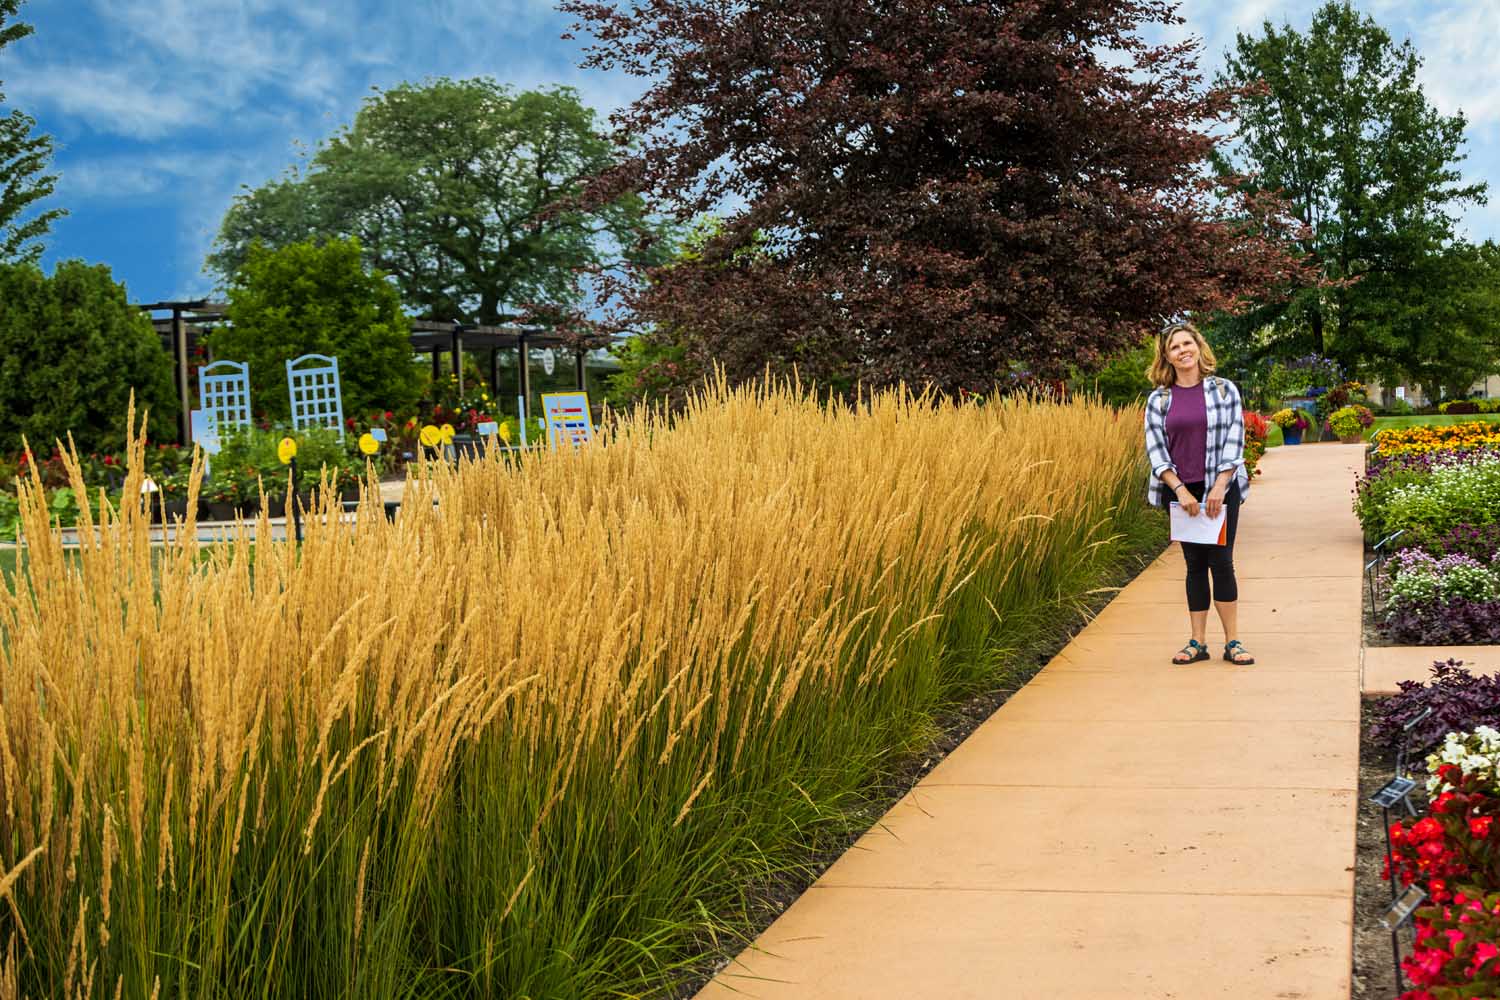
{"x": 188, "y": 322}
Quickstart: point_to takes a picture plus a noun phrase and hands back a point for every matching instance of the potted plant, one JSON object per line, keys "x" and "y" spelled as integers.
{"x": 1292, "y": 422}
{"x": 174, "y": 491}
{"x": 1349, "y": 423}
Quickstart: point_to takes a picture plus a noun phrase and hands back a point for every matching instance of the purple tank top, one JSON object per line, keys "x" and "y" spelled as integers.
{"x": 1187, "y": 432}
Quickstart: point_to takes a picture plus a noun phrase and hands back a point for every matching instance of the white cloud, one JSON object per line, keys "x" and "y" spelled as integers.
{"x": 129, "y": 102}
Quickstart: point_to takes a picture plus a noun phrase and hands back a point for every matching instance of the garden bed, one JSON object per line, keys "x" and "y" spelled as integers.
{"x": 1373, "y": 974}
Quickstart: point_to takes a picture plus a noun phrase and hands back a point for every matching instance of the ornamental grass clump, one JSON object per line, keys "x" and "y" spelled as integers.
{"x": 535, "y": 740}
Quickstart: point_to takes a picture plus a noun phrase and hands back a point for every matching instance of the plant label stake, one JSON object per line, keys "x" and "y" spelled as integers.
{"x": 287, "y": 452}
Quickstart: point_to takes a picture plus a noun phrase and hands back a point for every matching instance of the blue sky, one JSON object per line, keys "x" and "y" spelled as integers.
{"x": 164, "y": 108}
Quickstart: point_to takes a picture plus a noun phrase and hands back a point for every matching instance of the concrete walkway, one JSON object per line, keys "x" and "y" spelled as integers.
{"x": 1124, "y": 828}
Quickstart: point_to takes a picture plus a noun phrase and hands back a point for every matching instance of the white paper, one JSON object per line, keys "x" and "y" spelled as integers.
{"x": 1201, "y": 529}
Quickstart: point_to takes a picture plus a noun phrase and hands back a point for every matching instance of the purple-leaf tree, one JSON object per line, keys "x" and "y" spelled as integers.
{"x": 925, "y": 191}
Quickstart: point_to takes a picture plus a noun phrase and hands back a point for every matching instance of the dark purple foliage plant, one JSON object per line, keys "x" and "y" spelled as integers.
{"x": 1480, "y": 542}
{"x": 1459, "y": 700}
{"x": 1455, "y": 622}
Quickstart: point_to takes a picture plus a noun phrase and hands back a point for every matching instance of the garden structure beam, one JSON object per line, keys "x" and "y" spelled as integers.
{"x": 179, "y": 334}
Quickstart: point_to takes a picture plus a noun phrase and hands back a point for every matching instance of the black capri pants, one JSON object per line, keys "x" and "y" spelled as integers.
{"x": 1217, "y": 561}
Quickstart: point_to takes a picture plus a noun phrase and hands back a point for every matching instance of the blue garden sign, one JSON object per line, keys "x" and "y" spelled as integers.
{"x": 313, "y": 383}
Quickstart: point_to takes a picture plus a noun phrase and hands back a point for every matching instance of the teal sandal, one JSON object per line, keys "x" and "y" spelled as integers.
{"x": 1195, "y": 652}
{"x": 1236, "y": 653}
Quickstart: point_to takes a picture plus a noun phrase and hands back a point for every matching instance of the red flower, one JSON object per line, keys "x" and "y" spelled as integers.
{"x": 1479, "y": 826}
{"x": 1440, "y": 804}
{"x": 1450, "y": 774}
{"x": 387, "y": 414}
{"x": 1426, "y": 828}
{"x": 350, "y": 421}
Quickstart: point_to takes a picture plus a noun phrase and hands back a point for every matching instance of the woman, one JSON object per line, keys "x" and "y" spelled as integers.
{"x": 1195, "y": 440}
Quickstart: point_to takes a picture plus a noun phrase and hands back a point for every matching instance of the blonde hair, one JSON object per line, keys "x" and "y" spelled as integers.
{"x": 1161, "y": 373}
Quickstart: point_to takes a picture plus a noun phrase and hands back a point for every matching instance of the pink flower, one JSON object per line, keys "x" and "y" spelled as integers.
{"x": 1484, "y": 951}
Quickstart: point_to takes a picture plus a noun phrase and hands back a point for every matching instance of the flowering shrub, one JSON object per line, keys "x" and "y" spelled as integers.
{"x": 1350, "y": 420}
{"x": 1256, "y": 431}
{"x": 1345, "y": 394}
{"x": 466, "y": 410}
{"x": 1480, "y": 542}
{"x": 1418, "y": 577}
{"x": 1301, "y": 376}
{"x": 1291, "y": 418}
{"x": 1456, "y": 949}
{"x": 1452, "y": 852}
{"x": 1459, "y": 406}
{"x": 1466, "y": 492}
{"x": 1447, "y": 437}
{"x": 1459, "y": 700}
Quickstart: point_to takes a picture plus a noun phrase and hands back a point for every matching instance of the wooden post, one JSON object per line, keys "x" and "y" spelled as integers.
{"x": 495, "y": 371}
{"x": 458, "y": 356}
{"x": 436, "y": 351}
{"x": 180, "y": 355}
{"x": 578, "y": 362}
{"x": 523, "y": 356}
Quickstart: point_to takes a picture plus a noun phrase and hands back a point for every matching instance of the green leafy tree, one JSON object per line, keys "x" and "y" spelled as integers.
{"x": 305, "y": 298}
{"x": 72, "y": 349}
{"x": 1122, "y": 379}
{"x": 463, "y": 191}
{"x": 1450, "y": 322}
{"x": 1336, "y": 122}
{"x": 23, "y": 160}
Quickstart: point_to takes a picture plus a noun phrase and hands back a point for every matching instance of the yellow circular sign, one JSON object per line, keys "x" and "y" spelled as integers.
{"x": 368, "y": 444}
{"x": 447, "y": 431}
{"x": 431, "y": 436}
{"x": 504, "y": 433}
{"x": 286, "y": 450}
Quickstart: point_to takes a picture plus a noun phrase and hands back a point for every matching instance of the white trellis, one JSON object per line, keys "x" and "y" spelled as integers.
{"x": 312, "y": 381}
{"x": 224, "y": 388}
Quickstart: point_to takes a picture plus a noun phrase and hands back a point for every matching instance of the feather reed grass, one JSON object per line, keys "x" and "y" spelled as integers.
{"x": 531, "y": 742}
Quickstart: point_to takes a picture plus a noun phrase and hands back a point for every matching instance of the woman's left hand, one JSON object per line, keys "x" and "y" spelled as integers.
{"x": 1214, "y": 502}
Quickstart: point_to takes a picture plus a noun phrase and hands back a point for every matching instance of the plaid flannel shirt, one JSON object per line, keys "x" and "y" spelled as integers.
{"x": 1226, "y": 437}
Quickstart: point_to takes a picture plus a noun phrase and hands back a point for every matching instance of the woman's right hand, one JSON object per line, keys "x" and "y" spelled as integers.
{"x": 1189, "y": 503}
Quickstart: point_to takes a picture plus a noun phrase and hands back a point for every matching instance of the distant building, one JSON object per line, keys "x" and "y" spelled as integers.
{"x": 1489, "y": 388}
